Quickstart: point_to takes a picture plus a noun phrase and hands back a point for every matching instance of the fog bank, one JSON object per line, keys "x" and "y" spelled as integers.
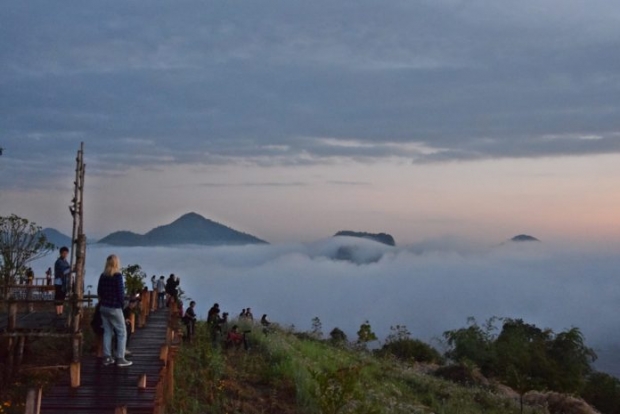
{"x": 428, "y": 290}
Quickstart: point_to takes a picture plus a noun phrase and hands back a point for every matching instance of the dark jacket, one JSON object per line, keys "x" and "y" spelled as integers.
{"x": 62, "y": 268}
{"x": 171, "y": 286}
{"x": 111, "y": 291}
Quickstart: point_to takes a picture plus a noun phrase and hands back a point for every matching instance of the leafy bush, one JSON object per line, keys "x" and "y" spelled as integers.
{"x": 473, "y": 343}
{"x": 463, "y": 373}
{"x": 408, "y": 349}
{"x": 524, "y": 356}
{"x": 603, "y": 392}
{"x": 337, "y": 336}
{"x": 400, "y": 345}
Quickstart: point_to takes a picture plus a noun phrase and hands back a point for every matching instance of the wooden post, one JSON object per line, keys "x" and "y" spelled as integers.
{"x": 170, "y": 378}
{"x": 20, "y": 349}
{"x": 154, "y": 300}
{"x": 76, "y": 347}
{"x": 12, "y": 316}
{"x": 132, "y": 321}
{"x": 146, "y": 297}
{"x": 12, "y": 323}
{"x": 29, "y": 290}
{"x": 142, "y": 317}
{"x": 33, "y": 401}
{"x": 75, "y": 374}
{"x": 142, "y": 382}
{"x": 75, "y": 363}
{"x": 163, "y": 353}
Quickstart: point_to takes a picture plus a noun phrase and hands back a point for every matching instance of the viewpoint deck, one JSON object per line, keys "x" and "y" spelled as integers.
{"x": 105, "y": 388}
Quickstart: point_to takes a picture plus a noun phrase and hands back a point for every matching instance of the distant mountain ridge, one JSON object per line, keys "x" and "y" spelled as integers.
{"x": 524, "y": 238}
{"x": 191, "y": 228}
{"x": 378, "y": 237}
{"x": 57, "y": 238}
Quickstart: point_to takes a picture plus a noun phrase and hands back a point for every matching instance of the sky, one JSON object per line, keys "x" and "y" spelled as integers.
{"x": 426, "y": 119}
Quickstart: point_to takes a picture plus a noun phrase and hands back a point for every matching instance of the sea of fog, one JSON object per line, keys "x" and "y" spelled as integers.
{"x": 430, "y": 290}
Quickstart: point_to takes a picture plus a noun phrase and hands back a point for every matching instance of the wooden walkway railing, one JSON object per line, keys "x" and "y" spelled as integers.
{"x": 143, "y": 387}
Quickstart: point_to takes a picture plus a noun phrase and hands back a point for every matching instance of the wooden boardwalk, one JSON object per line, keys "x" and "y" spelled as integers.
{"x": 105, "y": 388}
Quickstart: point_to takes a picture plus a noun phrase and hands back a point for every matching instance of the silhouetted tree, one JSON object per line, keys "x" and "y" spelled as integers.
{"x": 21, "y": 242}
{"x": 337, "y": 336}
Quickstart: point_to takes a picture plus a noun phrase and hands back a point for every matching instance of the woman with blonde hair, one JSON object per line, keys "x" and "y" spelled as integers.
{"x": 111, "y": 292}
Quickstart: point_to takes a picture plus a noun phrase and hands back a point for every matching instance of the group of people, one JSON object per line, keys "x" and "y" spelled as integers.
{"x": 165, "y": 287}
{"x": 112, "y": 317}
{"x": 246, "y": 314}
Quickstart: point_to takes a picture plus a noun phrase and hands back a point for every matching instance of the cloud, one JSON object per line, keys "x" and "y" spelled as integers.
{"x": 231, "y": 82}
{"x": 430, "y": 290}
{"x": 257, "y": 184}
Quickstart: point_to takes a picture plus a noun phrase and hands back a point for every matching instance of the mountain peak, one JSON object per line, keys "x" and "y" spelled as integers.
{"x": 191, "y": 217}
{"x": 190, "y": 228}
{"x": 524, "y": 238}
{"x": 378, "y": 237}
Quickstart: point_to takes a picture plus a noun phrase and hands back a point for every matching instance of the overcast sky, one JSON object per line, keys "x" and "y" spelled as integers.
{"x": 292, "y": 120}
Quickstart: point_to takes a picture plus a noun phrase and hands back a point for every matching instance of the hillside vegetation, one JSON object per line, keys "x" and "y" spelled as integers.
{"x": 284, "y": 371}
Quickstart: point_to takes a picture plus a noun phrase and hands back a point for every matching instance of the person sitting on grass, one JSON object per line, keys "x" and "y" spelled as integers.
{"x": 234, "y": 339}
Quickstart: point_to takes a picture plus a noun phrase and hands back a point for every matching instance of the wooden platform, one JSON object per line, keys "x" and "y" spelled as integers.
{"x": 104, "y": 388}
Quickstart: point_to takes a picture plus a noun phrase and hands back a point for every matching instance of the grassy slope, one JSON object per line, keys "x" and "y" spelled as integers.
{"x": 284, "y": 374}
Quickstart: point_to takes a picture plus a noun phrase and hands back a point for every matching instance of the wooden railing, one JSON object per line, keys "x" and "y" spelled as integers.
{"x": 174, "y": 336}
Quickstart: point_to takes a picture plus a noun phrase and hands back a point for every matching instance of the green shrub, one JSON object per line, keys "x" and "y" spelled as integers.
{"x": 408, "y": 349}
{"x": 603, "y": 392}
{"x": 337, "y": 336}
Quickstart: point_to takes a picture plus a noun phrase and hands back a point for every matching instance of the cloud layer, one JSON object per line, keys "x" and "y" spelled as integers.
{"x": 430, "y": 290}
{"x": 295, "y": 84}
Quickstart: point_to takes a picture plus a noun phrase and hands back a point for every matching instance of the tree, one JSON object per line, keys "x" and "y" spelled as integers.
{"x": 365, "y": 334}
{"x": 603, "y": 392}
{"x": 317, "y": 328}
{"x": 134, "y": 278}
{"x": 337, "y": 336}
{"x": 21, "y": 242}
{"x": 473, "y": 344}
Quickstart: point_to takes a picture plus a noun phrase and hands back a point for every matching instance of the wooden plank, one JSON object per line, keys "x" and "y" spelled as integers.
{"x": 33, "y": 401}
{"x": 103, "y": 389}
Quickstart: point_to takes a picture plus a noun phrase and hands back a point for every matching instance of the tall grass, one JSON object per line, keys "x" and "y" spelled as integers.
{"x": 321, "y": 378}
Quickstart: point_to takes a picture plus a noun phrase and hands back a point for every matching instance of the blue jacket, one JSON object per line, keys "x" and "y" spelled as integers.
{"x": 61, "y": 269}
{"x": 111, "y": 291}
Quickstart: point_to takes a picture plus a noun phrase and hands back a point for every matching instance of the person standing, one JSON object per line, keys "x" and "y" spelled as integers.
{"x": 190, "y": 320}
{"x": 161, "y": 292}
{"x": 172, "y": 285}
{"x": 48, "y": 276}
{"x": 111, "y": 292}
{"x": 62, "y": 270}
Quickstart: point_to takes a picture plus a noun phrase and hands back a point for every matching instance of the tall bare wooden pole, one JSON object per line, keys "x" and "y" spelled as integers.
{"x": 78, "y": 260}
